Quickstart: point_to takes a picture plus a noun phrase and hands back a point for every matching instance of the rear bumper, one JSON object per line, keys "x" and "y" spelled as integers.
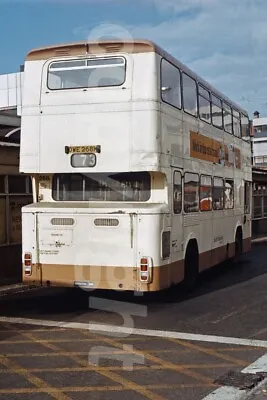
{"x": 123, "y": 278}
{"x": 102, "y": 277}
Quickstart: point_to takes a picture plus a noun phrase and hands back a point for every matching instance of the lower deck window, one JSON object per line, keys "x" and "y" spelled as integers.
{"x": 128, "y": 186}
{"x": 218, "y": 193}
{"x": 205, "y": 193}
{"x": 191, "y": 192}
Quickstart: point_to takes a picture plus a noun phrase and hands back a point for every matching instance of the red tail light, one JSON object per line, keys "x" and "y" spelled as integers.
{"x": 27, "y": 264}
{"x": 146, "y": 269}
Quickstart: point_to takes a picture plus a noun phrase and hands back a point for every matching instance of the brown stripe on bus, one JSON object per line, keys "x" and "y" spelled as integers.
{"x": 126, "y": 277}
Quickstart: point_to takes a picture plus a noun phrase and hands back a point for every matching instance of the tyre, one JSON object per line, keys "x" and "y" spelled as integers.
{"x": 238, "y": 247}
{"x": 191, "y": 270}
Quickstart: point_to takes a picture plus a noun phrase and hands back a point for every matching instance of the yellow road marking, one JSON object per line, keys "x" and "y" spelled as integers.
{"x": 11, "y": 365}
{"x": 209, "y": 351}
{"x": 116, "y": 368}
{"x": 107, "y": 371}
{"x": 80, "y": 353}
{"x": 233, "y": 349}
{"x": 157, "y": 360}
{"x": 134, "y": 340}
{"x": 108, "y": 374}
{"x": 103, "y": 388}
{"x": 63, "y": 353}
{"x": 68, "y": 389}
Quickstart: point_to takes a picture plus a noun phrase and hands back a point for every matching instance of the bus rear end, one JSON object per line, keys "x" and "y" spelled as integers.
{"x": 115, "y": 241}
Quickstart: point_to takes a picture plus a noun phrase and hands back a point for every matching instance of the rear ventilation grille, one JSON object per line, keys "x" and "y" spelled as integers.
{"x": 111, "y": 48}
{"x": 106, "y": 222}
{"x": 62, "y": 52}
{"x": 62, "y": 221}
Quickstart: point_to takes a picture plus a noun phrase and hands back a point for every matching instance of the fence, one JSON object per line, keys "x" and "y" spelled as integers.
{"x": 259, "y": 201}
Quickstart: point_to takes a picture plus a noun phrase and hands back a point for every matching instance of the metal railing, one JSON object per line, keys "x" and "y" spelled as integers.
{"x": 259, "y": 202}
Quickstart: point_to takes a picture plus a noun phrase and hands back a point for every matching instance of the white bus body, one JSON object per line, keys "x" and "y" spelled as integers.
{"x": 134, "y": 187}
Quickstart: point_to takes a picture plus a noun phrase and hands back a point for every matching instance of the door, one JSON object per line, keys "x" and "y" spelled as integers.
{"x": 87, "y": 239}
{"x": 177, "y": 218}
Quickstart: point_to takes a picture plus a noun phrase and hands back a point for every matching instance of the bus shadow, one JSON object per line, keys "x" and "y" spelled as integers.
{"x": 219, "y": 277}
{"x": 68, "y": 304}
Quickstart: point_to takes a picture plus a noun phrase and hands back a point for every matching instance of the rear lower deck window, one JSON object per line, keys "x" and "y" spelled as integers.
{"x": 129, "y": 186}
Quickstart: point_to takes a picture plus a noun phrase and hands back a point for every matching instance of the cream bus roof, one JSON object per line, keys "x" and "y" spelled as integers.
{"x": 128, "y": 46}
{"x": 84, "y": 48}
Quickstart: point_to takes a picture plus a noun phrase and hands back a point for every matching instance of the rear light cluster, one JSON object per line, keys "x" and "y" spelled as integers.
{"x": 27, "y": 264}
{"x": 146, "y": 269}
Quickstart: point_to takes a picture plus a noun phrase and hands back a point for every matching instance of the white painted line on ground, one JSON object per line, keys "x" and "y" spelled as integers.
{"x": 112, "y": 329}
{"x": 226, "y": 393}
{"x": 259, "y": 365}
{"x": 232, "y": 393}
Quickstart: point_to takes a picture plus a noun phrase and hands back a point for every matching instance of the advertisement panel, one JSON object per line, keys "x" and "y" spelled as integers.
{"x": 208, "y": 149}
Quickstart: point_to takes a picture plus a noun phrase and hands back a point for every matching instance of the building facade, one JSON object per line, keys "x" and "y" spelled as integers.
{"x": 260, "y": 173}
{"x": 260, "y": 141}
{"x": 15, "y": 188}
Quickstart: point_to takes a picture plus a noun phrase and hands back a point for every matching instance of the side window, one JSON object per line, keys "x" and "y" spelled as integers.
{"x": 177, "y": 192}
{"x": 170, "y": 84}
{"x": 205, "y": 193}
{"x": 260, "y": 161}
{"x": 217, "y": 118}
{"x": 247, "y": 197}
{"x": 227, "y": 118}
{"x": 218, "y": 193}
{"x": 191, "y": 192}
{"x": 204, "y": 104}
{"x": 229, "y": 194}
{"x": 236, "y": 123}
{"x": 189, "y": 95}
{"x": 244, "y": 126}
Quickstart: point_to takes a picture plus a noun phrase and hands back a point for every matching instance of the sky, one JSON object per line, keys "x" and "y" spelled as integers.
{"x": 223, "y": 41}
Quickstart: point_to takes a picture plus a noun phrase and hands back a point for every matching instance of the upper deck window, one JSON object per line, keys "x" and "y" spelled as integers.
{"x": 204, "y": 104}
{"x": 237, "y": 123}
{"x": 227, "y": 118}
{"x": 245, "y": 126}
{"x": 170, "y": 84}
{"x": 217, "y": 113}
{"x": 87, "y": 73}
{"x": 189, "y": 94}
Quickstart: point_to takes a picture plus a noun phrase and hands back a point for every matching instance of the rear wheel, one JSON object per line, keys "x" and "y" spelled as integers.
{"x": 238, "y": 246}
{"x": 191, "y": 270}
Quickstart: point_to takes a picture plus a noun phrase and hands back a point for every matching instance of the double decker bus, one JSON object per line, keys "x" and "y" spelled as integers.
{"x": 141, "y": 170}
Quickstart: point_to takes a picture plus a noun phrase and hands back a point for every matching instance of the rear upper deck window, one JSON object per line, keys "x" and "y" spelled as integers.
{"x": 86, "y": 73}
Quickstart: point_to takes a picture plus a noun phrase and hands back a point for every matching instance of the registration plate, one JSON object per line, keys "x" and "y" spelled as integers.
{"x": 82, "y": 149}
{"x": 84, "y": 284}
